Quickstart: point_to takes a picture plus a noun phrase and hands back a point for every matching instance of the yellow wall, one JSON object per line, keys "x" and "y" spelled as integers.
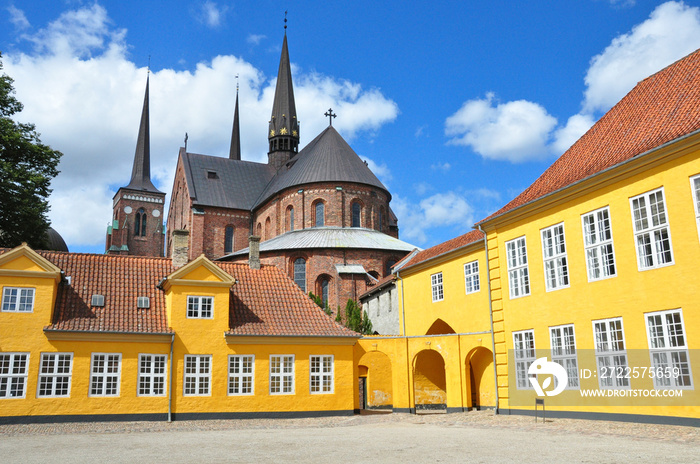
{"x": 629, "y": 295}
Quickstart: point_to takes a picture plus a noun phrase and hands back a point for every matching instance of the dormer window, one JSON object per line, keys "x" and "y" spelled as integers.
{"x": 143, "y": 302}
{"x": 200, "y": 307}
{"x": 212, "y": 175}
{"x": 17, "y": 300}
{"x": 97, "y": 301}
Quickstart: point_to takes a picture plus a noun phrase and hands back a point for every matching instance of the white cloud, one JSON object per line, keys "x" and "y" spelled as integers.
{"x": 255, "y": 39}
{"x": 18, "y": 18}
{"x": 516, "y": 131}
{"x": 520, "y": 131}
{"x": 441, "y": 166}
{"x": 85, "y": 96}
{"x": 438, "y": 211}
{"x": 380, "y": 170}
{"x": 623, "y": 3}
{"x": 671, "y": 32}
{"x": 212, "y": 14}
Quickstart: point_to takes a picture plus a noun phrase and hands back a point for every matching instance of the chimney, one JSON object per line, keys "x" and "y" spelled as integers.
{"x": 180, "y": 248}
{"x": 254, "y": 252}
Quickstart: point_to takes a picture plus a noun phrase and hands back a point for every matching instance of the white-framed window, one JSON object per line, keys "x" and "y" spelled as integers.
{"x": 668, "y": 348}
{"x": 436, "y": 285}
{"x": 518, "y": 274}
{"x": 200, "y": 307}
{"x": 13, "y": 375}
{"x": 524, "y": 352}
{"x": 281, "y": 374}
{"x": 610, "y": 353}
{"x": 651, "y": 231}
{"x": 563, "y": 339}
{"x": 471, "y": 277}
{"x": 556, "y": 268}
{"x": 241, "y": 372}
{"x": 197, "y": 376}
{"x": 17, "y": 300}
{"x": 695, "y": 188}
{"x": 152, "y": 372}
{"x": 105, "y": 374}
{"x": 321, "y": 374}
{"x": 55, "y": 375}
{"x": 598, "y": 244}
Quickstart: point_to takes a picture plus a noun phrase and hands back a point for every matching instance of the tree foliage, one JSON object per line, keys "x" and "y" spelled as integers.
{"x": 355, "y": 319}
{"x": 26, "y": 169}
{"x": 319, "y": 301}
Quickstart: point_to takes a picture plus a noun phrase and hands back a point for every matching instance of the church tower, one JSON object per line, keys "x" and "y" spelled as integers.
{"x": 283, "y": 133}
{"x": 137, "y": 222}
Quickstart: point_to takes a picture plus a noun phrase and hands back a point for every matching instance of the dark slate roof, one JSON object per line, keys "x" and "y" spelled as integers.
{"x": 327, "y": 158}
{"x": 235, "y": 150}
{"x": 237, "y": 184}
{"x": 331, "y": 237}
{"x": 284, "y": 112}
{"x": 141, "y": 172}
{"x": 55, "y": 241}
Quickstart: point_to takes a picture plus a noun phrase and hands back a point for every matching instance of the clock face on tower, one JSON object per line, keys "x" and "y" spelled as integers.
{"x": 156, "y": 213}
{"x": 127, "y": 209}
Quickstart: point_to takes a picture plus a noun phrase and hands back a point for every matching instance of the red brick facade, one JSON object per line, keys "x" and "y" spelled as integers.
{"x": 130, "y": 207}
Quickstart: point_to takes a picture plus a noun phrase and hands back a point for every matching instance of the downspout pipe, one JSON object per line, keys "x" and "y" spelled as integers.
{"x": 493, "y": 335}
{"x": 170, "y": 381}
{"x": 408, "y": 362}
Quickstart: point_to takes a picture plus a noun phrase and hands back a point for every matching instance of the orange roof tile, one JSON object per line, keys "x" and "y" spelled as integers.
{"x": 444, "y": 247}
{"x": 661, "y": 108}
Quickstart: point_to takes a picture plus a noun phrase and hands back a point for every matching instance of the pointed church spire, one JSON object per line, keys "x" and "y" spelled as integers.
{"x": 141, "y": 172}
{"x": 235, "y": 151}
{"x": 283, "y": 133}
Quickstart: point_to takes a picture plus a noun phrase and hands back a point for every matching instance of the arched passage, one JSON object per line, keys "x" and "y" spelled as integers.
{"x": 440, "y": 327}
{"x": 375, "y": 369}
{"x": 429, "y": 384}
{"x": 480, "y": 389}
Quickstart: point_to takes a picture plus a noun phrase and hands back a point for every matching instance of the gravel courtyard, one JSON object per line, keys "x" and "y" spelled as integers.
{"x": 386, "y": 438}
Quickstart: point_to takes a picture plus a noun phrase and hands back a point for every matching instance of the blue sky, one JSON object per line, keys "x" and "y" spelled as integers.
{"x": 457, "y": 106}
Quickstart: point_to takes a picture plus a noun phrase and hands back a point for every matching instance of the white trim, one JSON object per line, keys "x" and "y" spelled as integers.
{"x": 681, "y": 350}
{"x": 200, "y": 378}
{"x": 651, "y": 230}
{"x": 10, "y": 379}
{"x": 611, "y": 357}
{"x": 54, "y": 364}
{"x": 474, "y": 275}
{"x": 17, "y": 299}
{"x": 695, "y": 190}
{"x": 437, "y": 288}
{"x": 325, "y": 378}
{"x": 558, "y": 259}
{"x": 598, "y": 244}
{"x": 151, "y": 376}
{"x": 195, "y": 305}
{"x": 242, "y": 377}
{"x": 528, "y": 357}
{"x": 279, "y": 375}
{"x": 105, "y": 375}
{"x": 519, "y": 271}
{"x": 567, "y": 356}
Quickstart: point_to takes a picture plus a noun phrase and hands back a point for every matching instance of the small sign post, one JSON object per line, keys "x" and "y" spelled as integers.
{"x": 539, "y": 401}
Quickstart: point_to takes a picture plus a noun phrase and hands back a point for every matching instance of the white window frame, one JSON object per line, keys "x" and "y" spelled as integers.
{"x": 695, "y": 189}
{"x": 54, "y": 374}
{"x": 321, "y": 374}
{"x": 105, "y": 375}
{"x": 598, "y": 245}
{"x": 611, "y": 354}
{"x": 241, "y": 374}
{"x": 14, "y": 299}
{"x": 554, "y": 258}
{"x": 471, "y": 277}
{"x": 518, "y": 270}
{"x": 651, "y": 232}
{"x": 196, "y": 375}
{"x": 524, "y": 354}
{"x": 200, "y": 307}
{"x": 563, "y": 345}
{"x": 14, "y": 371}
{"x": 669, "y": 348}
{"x": 436, "y": 287}
{"x": 282, "y": 374}
{"x": 153, "y": 370}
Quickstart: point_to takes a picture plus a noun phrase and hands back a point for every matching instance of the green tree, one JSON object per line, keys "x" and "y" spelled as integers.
{"x": 319, "y": 301}
{"x": 26, "y": 169}
{"x": 355, "y": 319}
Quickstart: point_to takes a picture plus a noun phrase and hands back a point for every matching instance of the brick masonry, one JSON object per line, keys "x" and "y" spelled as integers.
{"x": 126, "y": 205}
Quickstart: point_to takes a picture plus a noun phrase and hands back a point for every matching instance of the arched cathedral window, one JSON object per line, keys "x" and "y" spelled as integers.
{"x": 140, "y": 223}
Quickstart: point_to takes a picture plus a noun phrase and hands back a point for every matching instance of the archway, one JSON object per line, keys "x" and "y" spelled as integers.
{"x": 429, "y": 383}
{"x": 480, "y": 389}
{"x": 440, "y": 327}
{"x": 375, "y": 369}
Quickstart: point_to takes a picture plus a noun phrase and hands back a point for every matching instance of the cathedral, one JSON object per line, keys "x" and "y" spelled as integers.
{"x": 317, "y": 213}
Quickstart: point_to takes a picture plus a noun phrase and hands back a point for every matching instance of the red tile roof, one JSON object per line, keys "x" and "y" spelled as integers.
{"x": 267, "y": 302}
{"x": 263, "y": 302}
{"x": 444, "y": 247}
{"x": 660, "y": 109}
{"x": 381, "y": 283}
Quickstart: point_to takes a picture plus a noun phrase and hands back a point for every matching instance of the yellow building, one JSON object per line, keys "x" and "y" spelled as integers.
{"x": 443, "y": 358}
{"x": 96, "y": 337}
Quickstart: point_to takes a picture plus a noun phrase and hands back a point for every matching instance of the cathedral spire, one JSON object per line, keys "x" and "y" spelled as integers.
{"x": 141, "y": 172}
{"x": 235, "y": 151}
{"x": 283, "y": 133}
